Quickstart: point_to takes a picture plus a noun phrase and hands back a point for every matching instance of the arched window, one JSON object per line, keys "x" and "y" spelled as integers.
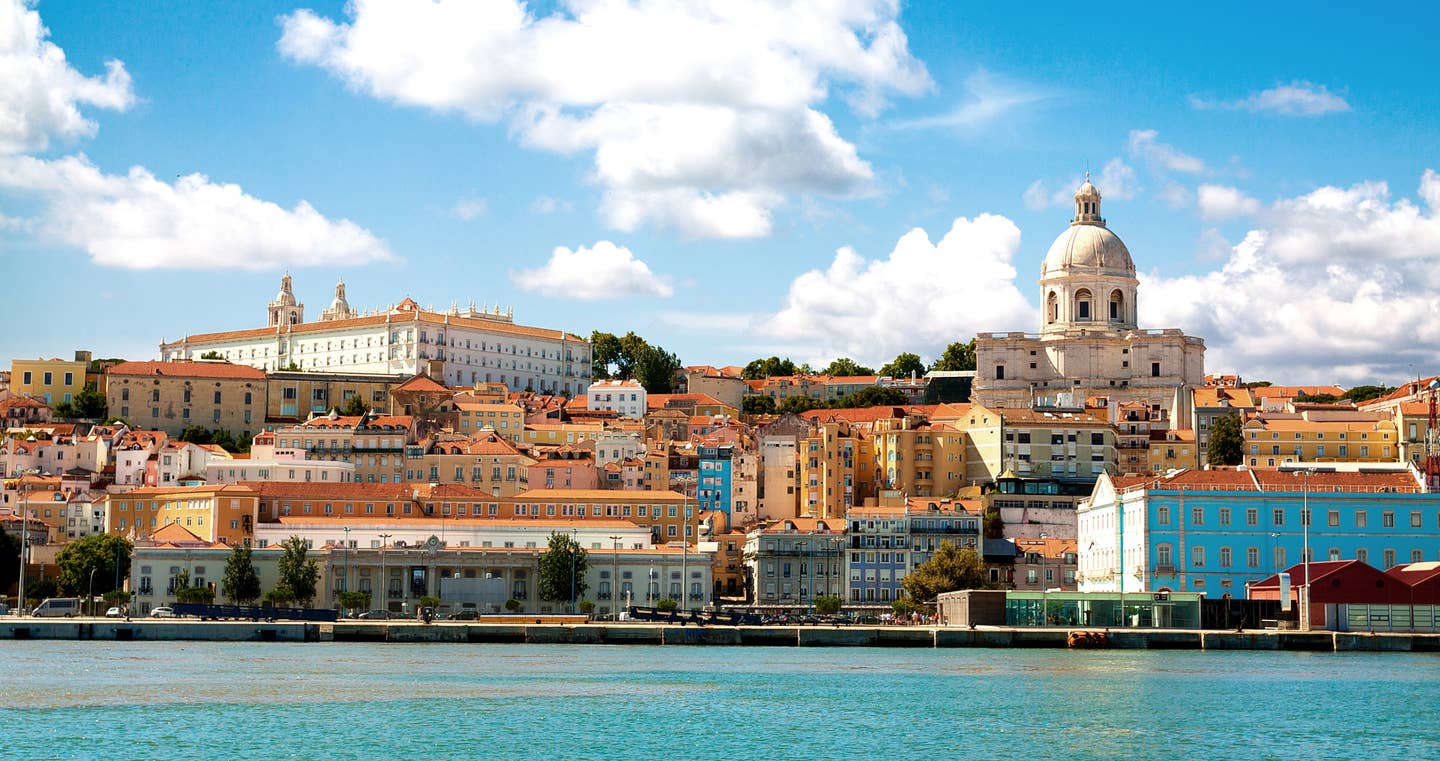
{"x": 1117, "y": 306}
{"x": 1052, "y": 307}
{"x": 1082, "y": 305}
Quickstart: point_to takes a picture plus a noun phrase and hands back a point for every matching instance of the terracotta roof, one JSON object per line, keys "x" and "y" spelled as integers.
{"x": 1287, "y": 392}
{"x": 611, "y": 495}
{"x": 351, "y": 421}
{"x": 405, "y": 312}
{"x": 240, "y": 489}
{"x": 221, "y": 370}
{"x": 656, "y": 401}
{"x": 427, "y": 520}
{"x": 806, "y": 526}
{"x": 20, "y": 401}
{"x": 421, "y": 382}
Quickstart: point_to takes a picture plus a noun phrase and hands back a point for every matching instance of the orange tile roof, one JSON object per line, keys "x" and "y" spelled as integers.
{"x": 421, "y": 382}
{"x": 187, "y": 369}
{"x": 426, "y": 520}
{"x": 601, "y": 495}
{"x": 399, "y": 315}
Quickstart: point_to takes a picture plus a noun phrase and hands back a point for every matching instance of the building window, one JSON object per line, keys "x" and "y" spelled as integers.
{"x": 1389, "y": 556}
{"x": 1252, "y": 557}
{"x": 1197, "y": 516}
{"x": 1387, "y": 519}
{"x": 1252, "y": 516}
{"x": 1224, "y": 557}
{"x": 1154, "y": 369}
{"x": 1362, "y": 555}
{"x": 1361, "y": 518}
{"x": 1162, "y": 515}
{"x": 999, "y": 372}
{"x": 1162, "y": 554}
{"x": 1332, "y": 518}
{"x": 1197, "y": 557}
{"x": 1278, "y": 516}
{"x": 1415, "y": 520}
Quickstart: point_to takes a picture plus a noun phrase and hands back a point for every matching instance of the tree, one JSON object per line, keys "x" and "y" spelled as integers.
{"x": 280, "y": 596}
{"x": 565, "y": 561}
{"x": 212, "y": 355}
{"x": 667, "y": 605}
{"x": 872, "y": 396}
{"x": 1360, "y": 394}
{"x": 1227, "y": 446}
{"x": 89, "y": 404}
{"x": 757, "y": 405}
{"x": 241, "y": 582}
{"x": 827, "y": 605}
{"x": 298, "y": 576}
{"x": 798, "y": 404}
{"x": 949, "y": 569}
{"x": 587, "y": 607}
{"x": 604, "y": 352}
{"x": 905, "y": 363}
{"x": 39, "y": 589}
{"x": 957, "y": 356}
{"x": 100, "y": 552}
{"x": 9, "y": 559}
{"x": 903, "y": 607}
{"x": 199, "y": 595}
{"x": 354, "y": 600}
{"x": 846, "y": 366}
{"x": 355, "y": 406}
{"x": 513, "y": 605}
{"x": 764, "y": 368}
{"x": 994, "y": 524}
{"x": 1304, "y": 398}
{"x": 655, "y": 368}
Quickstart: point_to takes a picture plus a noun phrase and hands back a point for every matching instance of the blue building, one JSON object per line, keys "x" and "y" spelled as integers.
{"x": 1215, "y": 531}
{"x": 715, "y": 477}
{"x": 888, "y": 541}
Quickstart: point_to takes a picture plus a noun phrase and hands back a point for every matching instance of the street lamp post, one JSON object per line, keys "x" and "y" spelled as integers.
{"x": 615, "y": 577}
{"x": 345, "y": 585}
{"x": 24, "y": 536}
{"x": 1305, "y": 547}
{"x": 384, "y": 581}
{"x": 574, "y": 550}
{"x": 1044, "y": 585}
{"x": 90, "y": 594}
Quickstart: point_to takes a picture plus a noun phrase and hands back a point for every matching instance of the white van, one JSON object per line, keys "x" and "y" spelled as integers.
{"x": 58, "y": 606}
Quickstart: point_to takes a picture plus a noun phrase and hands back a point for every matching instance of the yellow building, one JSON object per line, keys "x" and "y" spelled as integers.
{"x": 172, "y": 396}
{"x": 555, "y": 434}
{"x": 214, "y": 513}
{"x": 49, "y": 380}
{"x": 1173, "y": 450}
{"x": 490, "y": 406}
{"x": 663, "y": 512}
{"x": 487, "y": 461}
{"x": 1412, "y": 426}
{"x": 1036, "y": 444}
{"x": 919, "y": 458}
{"x": 837, "y": 470}
{"x": 1275, "y": 440}
{"x": 374, "y": 445}
{"x": 291, "y": 396}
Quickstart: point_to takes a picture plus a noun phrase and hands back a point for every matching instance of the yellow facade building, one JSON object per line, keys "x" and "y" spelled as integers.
{"x": 49, "y": 380}
{"x": 214, "y": 513}
{"x": 1173, "y": 450}
{"x": 1274, "y": 440}
{"x": 837, "y": 470}
{"x": 919, "y": 458}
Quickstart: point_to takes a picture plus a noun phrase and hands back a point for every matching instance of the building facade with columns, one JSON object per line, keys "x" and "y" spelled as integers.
{"x": 457, "y": 346}
{"x": 1089, "y": 342}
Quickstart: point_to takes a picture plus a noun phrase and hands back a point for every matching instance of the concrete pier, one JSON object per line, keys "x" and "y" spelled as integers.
{"x": 118, "y": 630}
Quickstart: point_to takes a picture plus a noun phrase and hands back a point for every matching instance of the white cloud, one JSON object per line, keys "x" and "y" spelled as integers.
{"x": 920, "y": 298}
{"x": 1160, "y": 156}
{"x": 1340, "y": 285}
{"x": 550, "y": 205}
{"x": 1223, "y": 202}
{"x": 40, "y": 94}
{"x": 1299, "y": 98}
{"x": 468, "y": 209}
{"x": 715, "y": 138}
{"x": 1117, "y": 181}
{"x": 987, "y": 100}
{"x": 602, "y": 271}
{"x": 135, "y": 221}
{"x": 1175, "y": 195}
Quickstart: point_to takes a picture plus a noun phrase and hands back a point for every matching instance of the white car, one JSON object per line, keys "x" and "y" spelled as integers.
{"x": 162, "y": 612}
{"x": 113, "y": 613}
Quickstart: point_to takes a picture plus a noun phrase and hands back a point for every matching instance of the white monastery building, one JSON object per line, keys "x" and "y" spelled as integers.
{"x": 1089, "y": 344}
{"x": 457, "y": 347}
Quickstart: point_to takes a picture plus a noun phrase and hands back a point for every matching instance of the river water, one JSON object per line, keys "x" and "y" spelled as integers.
{"x": 363, "y": 701}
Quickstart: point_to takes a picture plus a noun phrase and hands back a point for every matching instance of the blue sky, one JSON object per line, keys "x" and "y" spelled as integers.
{"x": 701, "y": 168}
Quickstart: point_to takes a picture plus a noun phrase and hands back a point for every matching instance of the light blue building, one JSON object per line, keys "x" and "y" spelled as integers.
{"x": 1214, "y": 532}
{"x": 715, "y": 476}
{"x": 887, "y": 542}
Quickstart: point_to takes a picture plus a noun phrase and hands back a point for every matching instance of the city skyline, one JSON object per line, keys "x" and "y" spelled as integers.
{"x": 802, "y": 181}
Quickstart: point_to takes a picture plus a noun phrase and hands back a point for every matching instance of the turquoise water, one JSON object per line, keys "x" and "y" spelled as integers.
{"x": 254, "y": 701}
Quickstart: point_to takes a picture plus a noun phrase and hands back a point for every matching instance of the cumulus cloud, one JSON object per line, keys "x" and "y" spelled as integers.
{"x": 602, "y": 271}
{"x": 1117, "y": 181}
{"x": 1144, "y": 144}
{"x": 1339, "y": 284}
{"x": 40, "y": 94}
{"x": 1299, "y": 98}
{"x": 1223, "y": 202}
{"x": 714, "y": 139}
{"x": 467, "y": 209}
{"x": 921, "y": 297}
{"x": 135, "y": 221}
{"x": 550, "y": 205}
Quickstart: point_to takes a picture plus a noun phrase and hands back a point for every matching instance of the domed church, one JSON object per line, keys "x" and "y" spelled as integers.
{"x": 1089, "y": 344}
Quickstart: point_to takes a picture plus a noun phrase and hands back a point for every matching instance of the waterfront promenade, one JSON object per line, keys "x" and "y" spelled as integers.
{"x": 110, "y": 629}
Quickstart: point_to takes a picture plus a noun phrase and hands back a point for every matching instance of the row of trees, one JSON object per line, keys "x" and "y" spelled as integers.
{"x": 630, "y": 357}
{"x": 870, "y": 396}
{"x": 220, "y": 437}
{"x": 957, "y": 356}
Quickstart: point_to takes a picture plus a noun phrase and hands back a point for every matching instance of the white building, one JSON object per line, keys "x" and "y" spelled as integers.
{"x": 1089, "y": 344}
{"x": 624, "y": 397}
{"x": 458, "y": 347}
{"x": 617, "y": 447}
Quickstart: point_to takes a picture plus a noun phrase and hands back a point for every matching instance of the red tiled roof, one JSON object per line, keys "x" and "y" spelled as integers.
{"x": 202, "y": 369}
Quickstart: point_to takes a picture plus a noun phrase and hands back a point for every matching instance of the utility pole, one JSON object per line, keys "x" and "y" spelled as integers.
{"x": 615, "y": 577}
{"x": 384, "y": 581}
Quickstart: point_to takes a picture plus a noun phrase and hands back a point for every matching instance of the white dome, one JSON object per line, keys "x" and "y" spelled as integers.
{"x": 1089, "y": 248}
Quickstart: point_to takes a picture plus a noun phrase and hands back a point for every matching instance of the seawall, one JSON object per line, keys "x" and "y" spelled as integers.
{"x": 665, "y": 634}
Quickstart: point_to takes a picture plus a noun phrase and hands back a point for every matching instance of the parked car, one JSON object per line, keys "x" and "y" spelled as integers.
{"x": 464, "y": 615}
{"x": 375, "y": 615}
{"x": 162, "y": 612}
{"x": 114, "y": 612}
{"x": 58, "y": 606}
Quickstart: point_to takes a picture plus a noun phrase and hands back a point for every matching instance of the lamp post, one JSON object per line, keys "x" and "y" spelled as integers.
{"x": 24, "y": 536}
{"x": 384, "y": 581}
{"x": 90, "y": 594}
{"x": 1044, "y": 585}
{"x": 615, "y": 577}
{"x": 1305, "y": 547}
{"x": 574, "y": 550}
{"x": 345, "y": 585}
